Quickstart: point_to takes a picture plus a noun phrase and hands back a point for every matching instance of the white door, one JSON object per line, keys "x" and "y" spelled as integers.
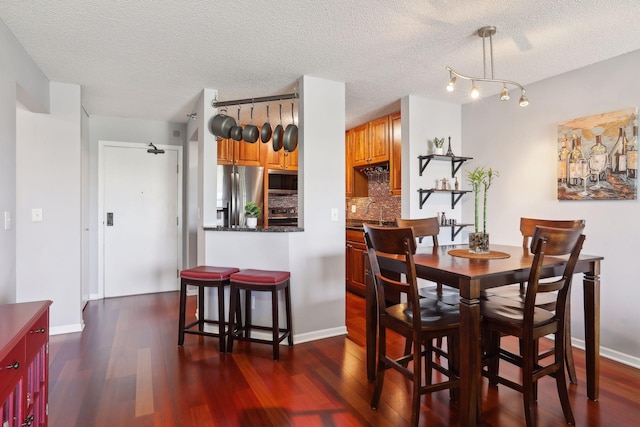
{"x": 140, "y": 219}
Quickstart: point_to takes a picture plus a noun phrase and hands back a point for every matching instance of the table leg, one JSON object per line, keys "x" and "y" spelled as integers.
{"x": 469, "y": 360}
{"x": 591, "y": 285}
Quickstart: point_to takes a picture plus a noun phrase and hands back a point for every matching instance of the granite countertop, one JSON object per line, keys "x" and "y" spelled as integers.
{"x": 271, "y": 229}
{"x": 356, "y": 224}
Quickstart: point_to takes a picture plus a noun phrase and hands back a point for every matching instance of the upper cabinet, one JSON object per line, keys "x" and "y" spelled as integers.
{"x": 281, "y": 159}
{"x": 239, "y": 153}
{"x": 375, "y": 143}
{"x": 371, "y": 142}
{"x": 395, "y": 157}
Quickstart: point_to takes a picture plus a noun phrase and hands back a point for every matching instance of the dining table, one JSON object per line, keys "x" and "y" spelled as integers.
{"x": 471, "y": 275}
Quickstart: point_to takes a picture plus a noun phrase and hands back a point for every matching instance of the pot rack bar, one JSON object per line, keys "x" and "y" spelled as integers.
{"x": 216, "y": 104}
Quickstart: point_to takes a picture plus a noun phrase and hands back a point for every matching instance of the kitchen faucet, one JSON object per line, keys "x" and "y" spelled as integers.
{"x": 369, "y": 203}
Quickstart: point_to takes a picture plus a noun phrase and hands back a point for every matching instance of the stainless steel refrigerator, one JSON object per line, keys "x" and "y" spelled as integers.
{"x": 238, "y": 185}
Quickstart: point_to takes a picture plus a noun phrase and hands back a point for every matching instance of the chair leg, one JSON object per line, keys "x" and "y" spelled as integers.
{"x": 382, "y": 350}
{"x": 568, "y": 349}
{"x": 222, "y": 335}
{"x": 201, "y": 308}
{"x": 276, "y": 325}
{"x": 183, "y": 304}
{"x": 528, "y": 384}
{"x": 561, "y": 380}
{"x": 417, "y": 379}
{"x": 234, "y": 305}
{"x": 287, "y": 301}
{"x": 247, "y": 313}
{"x": 493, "y": 355}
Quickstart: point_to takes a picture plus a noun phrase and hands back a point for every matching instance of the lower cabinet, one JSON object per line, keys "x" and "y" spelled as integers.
{"x": 356, "y": 259}
{"x": 24, "y": 363}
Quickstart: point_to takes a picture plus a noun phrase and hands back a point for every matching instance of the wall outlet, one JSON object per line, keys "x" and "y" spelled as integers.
{"x": 7, "y": 220}
{"x": 36, "y": 214}
{"x": 353, "y": 208}
{"x": 334, "y": 214}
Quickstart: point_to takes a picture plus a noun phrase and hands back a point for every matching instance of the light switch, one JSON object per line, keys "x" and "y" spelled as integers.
{"x": 36, "y": 214}
{"x": 353, "y": 208}
{"x": 7, "y": 220}
{"x": 334, "y": 214}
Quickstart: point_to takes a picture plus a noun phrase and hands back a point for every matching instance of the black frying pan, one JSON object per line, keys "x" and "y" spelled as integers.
{"x": 278, "y": 134}
{"x": 266, "y": 132}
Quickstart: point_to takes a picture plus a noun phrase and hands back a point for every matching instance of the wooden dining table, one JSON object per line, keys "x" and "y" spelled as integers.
{"x": 471, "y": 276}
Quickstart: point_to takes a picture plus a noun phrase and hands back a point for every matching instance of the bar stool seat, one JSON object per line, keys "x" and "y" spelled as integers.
{"x": 262, "y": 281}
{"x": 205, "y": 277}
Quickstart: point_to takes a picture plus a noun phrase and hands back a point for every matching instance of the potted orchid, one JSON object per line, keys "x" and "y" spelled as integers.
{"x": 480, "y": 180}
{"x": 438, "y": 146}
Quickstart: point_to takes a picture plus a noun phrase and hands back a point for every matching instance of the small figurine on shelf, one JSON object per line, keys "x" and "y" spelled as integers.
{"x": 449, "y": 152}
{"x": 443, "y": 219}
{"x": 456, "y": 183}
{"x": 445, "y": 184}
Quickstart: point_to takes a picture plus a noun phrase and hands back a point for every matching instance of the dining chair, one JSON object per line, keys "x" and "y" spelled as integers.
{"x": 547, "y": 300}
{"x": 420, "y": 320}
{"x": 429, "y": 227}
{"x": 529, "y": 322}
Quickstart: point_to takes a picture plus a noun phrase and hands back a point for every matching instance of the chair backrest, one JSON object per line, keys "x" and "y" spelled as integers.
{"x": 547, "y": 241}
{"x": 423, "y": 227}
{"x": 528, "y": 226}
{"x": 394, "y": 241}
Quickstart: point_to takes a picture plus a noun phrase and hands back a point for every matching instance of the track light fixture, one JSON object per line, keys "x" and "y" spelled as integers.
{"x": 487, "y": 32}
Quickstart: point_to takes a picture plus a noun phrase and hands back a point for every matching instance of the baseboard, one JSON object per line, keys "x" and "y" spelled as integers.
{"x": 66, "y": 329}
{"x": 617, "y": 356}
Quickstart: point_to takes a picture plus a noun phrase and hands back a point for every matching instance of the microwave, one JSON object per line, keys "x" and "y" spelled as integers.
{"x": 283, "y": 181}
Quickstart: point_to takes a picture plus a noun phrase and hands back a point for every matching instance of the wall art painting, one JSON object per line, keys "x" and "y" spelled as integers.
{"x": 598, "y": 157}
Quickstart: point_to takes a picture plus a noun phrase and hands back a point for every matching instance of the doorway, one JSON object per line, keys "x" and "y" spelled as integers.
{"x": 140, "y": 224}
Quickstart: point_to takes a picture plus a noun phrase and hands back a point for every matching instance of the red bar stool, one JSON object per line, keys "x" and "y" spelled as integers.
{"x": 263, "y": 281}
{"x": 204, "y": 277}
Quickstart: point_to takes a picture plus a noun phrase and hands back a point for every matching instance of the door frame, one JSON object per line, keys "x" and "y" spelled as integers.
{"x": 101, "y": 214}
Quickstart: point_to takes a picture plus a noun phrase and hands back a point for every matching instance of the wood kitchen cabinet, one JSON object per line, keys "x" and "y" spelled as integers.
{"x": 373, "y": 143}
{"x": 280, "y": 159}
{"x": 395, "y": 156}
{"x": 24, "y": 364}
{"x": 356, "y": 259}
{"x": 240, "y": 153}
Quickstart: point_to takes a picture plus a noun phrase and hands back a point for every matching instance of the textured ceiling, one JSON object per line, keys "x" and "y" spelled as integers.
{"x": 152, "y": 58}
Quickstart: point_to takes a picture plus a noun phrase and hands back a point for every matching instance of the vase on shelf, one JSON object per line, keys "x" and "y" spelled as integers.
{"x": 438, "y": 151}
{"x": 479, "y": 243}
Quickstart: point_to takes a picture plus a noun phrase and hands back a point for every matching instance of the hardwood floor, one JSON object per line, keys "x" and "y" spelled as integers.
{"x": 125, "y": 369}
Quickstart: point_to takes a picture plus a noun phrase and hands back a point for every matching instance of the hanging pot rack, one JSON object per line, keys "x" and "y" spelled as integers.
{"x": 216, "y": 104}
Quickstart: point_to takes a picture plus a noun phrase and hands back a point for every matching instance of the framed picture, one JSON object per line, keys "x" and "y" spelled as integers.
{"x": 598, "y": 157}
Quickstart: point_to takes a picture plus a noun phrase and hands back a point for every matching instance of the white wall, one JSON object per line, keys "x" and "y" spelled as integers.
{"x": 21, "y": 80}
{"x": 315, "y": 257}
{"x": 120, "y": 129}
{"x": 422, "y": 121}
{"x": 521, "y": 144}
{"x": 49, "y": 177}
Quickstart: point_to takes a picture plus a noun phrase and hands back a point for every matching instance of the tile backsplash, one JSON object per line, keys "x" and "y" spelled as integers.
{"x": 379, "y": 205}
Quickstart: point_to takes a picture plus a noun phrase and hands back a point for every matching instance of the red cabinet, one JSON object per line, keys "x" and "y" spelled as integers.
{"x": 24, "y": 364}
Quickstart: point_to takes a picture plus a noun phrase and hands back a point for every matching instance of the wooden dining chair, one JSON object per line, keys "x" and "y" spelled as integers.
{"x": 430, "y": 227}
{"x": 529, "y": 322}
{"x": 419, "y": 319}
{"x": 547, "y": 301}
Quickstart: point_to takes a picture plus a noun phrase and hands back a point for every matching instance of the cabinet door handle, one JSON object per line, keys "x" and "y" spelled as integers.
{"x": 28, "y": 421}
{"x": 14, "y": 365}
{"x": 38, "y": 331}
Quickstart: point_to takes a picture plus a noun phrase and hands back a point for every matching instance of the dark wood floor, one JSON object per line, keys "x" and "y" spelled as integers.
{"x": 125, "y": 369}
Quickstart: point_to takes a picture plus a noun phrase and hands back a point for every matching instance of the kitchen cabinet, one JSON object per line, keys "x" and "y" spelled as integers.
{"x": 24, "y": 364}
{"x": 356, "y": 259}
{"x": 240, "y": 153}
{"x": 371, "y": 142}
{"x": 395, "y": 155}
{"x": 281, "y": 159}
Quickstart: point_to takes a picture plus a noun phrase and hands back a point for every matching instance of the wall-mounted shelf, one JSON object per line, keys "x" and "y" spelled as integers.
{"x": 456, "y": 229}
{"x": 456, "y": 195}
{"x": 456, "y": 162}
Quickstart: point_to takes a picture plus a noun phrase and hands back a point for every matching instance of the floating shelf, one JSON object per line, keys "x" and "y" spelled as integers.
{"x": 456, "y": 229}
{"x": 456, "y": 195}
{"x": 456, "y": 162}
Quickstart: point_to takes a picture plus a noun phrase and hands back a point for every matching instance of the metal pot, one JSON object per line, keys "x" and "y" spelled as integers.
{"x": 290, "y": 140}
{"x": 266, "y": 132}
{"x": 236, "y": 131}
{"x": 221, "y": 125}
{"x": 251, "y": 133}
{"x": 278, "y": 134}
